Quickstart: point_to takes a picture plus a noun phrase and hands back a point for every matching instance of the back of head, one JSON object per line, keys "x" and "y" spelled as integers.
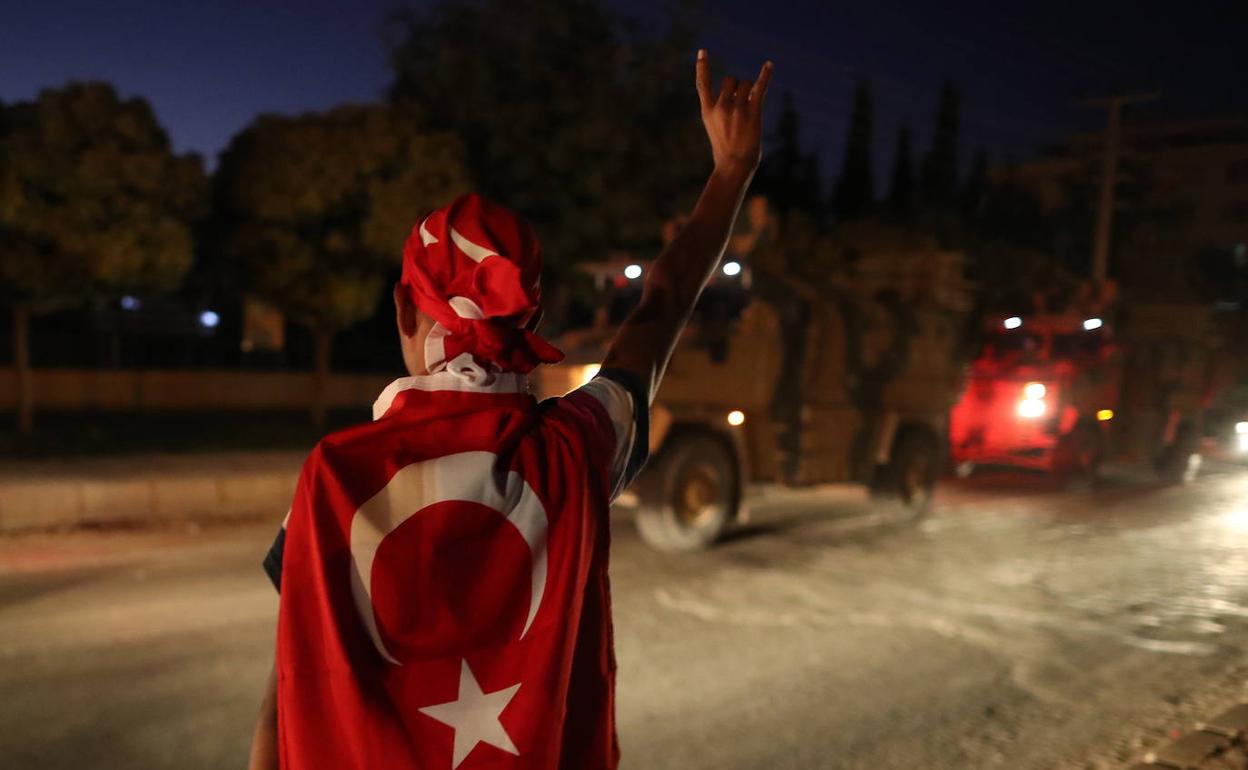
{"x": 474, "y": 267}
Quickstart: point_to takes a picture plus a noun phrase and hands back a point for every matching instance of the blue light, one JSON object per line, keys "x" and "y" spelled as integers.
{"x": 130, "y": 303}
{"x": 209, "y": 319}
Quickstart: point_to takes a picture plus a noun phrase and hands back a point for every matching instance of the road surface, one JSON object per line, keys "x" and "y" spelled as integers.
{"x": 1017, "y": 627}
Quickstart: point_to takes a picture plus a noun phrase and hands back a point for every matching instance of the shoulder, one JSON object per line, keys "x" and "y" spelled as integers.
{"x": 361, "y": 442}
{"x": 610, "y": 415}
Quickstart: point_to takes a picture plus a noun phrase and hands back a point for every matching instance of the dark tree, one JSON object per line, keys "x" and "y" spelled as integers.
{"x": 789, "y": 175}
{"x": 901, "y": 189}
{"x": 975, "y": 190}
{"x": 854, "y": 195}
{"x": 939, "y": 176}
{"x": 1012, "y": 213}
{"x": 93, "y": 204}
{"x": 314, "y": 210}
{"x": 590, "y": 131}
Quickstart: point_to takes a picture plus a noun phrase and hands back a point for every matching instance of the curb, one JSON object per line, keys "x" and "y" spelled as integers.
{"x": 144, "y": 490}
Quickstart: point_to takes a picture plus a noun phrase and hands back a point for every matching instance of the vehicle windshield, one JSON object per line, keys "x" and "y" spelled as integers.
{"x": 1083, "y": 344}
{"x": 1013, "y": 344}
{"x": 1017, "y": 344}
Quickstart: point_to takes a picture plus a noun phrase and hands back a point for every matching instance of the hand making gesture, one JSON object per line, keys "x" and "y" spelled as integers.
{"x": 734, "y": 118}
{"x": 734, "y": 124}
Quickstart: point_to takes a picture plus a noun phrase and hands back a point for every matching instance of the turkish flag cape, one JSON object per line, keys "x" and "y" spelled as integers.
{"x": 444, "y": 599}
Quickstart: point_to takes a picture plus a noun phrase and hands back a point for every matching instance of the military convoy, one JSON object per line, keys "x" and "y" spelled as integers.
{"x": 811, "y": 361}
{"x": 782, "y": 381}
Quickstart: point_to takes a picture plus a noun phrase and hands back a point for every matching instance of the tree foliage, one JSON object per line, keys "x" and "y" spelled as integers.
{"x": 901, "y": 187}
{"x": 586, "y": 128}
{"x": 315, "y": 208}
{"x": 789, "y": 175}
{"x": 855, "y": 194}
{"x": 975, "y": 189}
{"x": 93, "y": 201}
{"x": 939, "y": 177}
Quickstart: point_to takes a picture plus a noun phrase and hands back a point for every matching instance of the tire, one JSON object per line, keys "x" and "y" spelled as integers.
{"x": 1080, "y": 454}
{"x": 912, "y": 471}
{"x": 689, "y": 498}
{"x": 1175, "y": 464}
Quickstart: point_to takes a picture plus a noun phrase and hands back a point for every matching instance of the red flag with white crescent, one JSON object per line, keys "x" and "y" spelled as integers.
{"x": 443, "y": 582}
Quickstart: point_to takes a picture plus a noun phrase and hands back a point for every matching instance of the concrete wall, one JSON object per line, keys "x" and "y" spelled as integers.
{"x": 155, "y": 390}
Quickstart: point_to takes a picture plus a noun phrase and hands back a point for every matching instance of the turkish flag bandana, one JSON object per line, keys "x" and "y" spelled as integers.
{"x": 475, "y": 268}
{"x": 444, "y": 595}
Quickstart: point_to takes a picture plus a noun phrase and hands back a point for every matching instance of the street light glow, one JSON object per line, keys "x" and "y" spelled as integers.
{"x": 736, "y": 417}
{"x": 1013, "y": 322}
{"x": 1092, "y": 324}
{"x": 209, "y": 319}
{"x": 632, "y": 272}
{"x": 732, "y": 268}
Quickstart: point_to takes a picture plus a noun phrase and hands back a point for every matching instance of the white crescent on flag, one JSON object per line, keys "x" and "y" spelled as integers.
{"x": 475, "y": 251}
{"x": 426, "y": 237}
{"x": 466, "y": 476}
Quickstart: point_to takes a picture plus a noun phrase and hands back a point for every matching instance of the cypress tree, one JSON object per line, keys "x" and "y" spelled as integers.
{"x": 939, "y": 178}
{"x": 901, "y": 191}
{"x": 854, "y": 193}
{"x": 976, "y": 187}
{"x": 789, "y": 176}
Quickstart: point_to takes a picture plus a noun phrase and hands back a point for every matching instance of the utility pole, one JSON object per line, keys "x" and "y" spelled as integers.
{"x": 1109, "y": 172}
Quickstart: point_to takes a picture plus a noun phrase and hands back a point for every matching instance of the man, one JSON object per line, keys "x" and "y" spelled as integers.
{"x": 443, "y": 570}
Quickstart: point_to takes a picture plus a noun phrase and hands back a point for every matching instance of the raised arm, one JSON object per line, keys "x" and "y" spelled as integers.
{"x": 733, "y": 121}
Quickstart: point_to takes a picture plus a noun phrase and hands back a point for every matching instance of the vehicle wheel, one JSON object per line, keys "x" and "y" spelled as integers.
{"x": 1180, "y": 459}
{"x": 912, "y": 471}
{"x": 689, "y": 497}
{"x": 1080, "y": 454}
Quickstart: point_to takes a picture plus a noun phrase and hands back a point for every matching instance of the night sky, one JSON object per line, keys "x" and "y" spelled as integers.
{"x": 209, "y": 67}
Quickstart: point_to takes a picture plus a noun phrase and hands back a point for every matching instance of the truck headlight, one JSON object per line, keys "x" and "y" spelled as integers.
{"x": 1034, "y": 390}
{"x": 1031, "y": 408}
{"x": 1241, "y": 442}
{"x": 1241, "y": 428}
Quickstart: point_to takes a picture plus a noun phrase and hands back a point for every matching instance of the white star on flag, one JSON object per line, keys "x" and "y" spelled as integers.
{"x": 474, "y": 716}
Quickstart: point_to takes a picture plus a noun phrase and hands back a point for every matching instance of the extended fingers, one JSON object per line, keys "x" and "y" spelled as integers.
{"x": 702, "y": 79}
{"x": 759, "y": 91}
{"x": 732, "y": 92}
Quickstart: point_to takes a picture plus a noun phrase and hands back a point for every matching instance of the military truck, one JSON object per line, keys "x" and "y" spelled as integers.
{"x": 783, "y": 381}
{"x": 1111, "y": 380}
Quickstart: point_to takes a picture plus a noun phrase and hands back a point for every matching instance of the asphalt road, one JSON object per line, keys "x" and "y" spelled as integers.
{"x": 1018, "y": 627}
